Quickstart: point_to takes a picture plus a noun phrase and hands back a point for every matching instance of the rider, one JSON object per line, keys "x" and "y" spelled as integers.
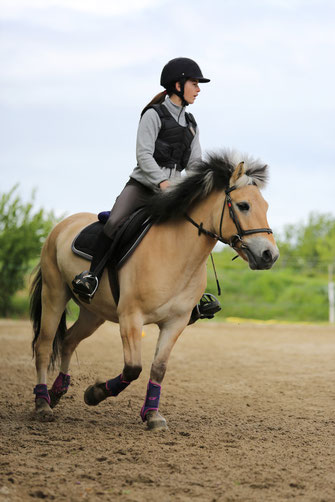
{"x": 167, "y": 143}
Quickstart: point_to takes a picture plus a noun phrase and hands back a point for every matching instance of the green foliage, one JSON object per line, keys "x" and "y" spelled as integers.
{"x": 22, "y": 233}
{"x": 309, "y": 246}
{"x": 279, "y": 294}
{"x": 296, "y": 289}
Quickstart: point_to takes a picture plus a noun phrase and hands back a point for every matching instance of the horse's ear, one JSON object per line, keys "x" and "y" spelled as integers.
{"x": 238, "y": 172}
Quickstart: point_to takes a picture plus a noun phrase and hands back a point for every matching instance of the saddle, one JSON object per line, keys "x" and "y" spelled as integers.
{"x": 124, "y": 244}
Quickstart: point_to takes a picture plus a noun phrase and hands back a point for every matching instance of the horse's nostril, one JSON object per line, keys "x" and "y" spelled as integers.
{"x": 267, "y": 256}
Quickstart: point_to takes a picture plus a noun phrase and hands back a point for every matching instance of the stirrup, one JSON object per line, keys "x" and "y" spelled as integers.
{"x": 206, "y": 308}
{"x": 85, "y": 285}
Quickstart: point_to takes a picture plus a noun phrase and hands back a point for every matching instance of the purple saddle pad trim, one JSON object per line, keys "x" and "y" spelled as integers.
{"x": 103, "y": 216}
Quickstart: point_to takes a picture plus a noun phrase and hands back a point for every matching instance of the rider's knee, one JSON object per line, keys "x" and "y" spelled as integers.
{"x": 131, "y": 373}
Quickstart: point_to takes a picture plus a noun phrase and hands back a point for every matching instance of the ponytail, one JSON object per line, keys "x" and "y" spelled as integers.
{"x": 157, "y": 100}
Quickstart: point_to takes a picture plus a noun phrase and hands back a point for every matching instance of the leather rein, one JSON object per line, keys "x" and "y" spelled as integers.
{"x": 236, "y": 238}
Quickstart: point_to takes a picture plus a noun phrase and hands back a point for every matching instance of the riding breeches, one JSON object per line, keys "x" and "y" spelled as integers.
{"x": 133, "y": 196}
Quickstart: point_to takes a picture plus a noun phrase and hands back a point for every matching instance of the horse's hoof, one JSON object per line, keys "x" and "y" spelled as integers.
{"x": 156, "y": 422}
{"x": 43, "y": 411}
{"x": 94, "y": 394}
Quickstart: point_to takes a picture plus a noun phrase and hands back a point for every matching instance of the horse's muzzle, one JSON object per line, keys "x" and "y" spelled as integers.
{"x": 261, "y": 254}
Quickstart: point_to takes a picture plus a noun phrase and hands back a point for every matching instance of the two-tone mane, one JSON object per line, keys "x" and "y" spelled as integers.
{"x": 213, "y": 173}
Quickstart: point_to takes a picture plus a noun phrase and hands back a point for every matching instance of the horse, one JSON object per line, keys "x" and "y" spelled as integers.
{"x": 165, "y": 277}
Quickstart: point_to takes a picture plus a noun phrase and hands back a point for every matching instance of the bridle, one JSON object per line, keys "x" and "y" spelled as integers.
{"x": 235, "y": 239}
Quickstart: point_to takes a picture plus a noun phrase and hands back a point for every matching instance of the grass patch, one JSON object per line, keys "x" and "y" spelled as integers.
{"x": 282, "y": 294}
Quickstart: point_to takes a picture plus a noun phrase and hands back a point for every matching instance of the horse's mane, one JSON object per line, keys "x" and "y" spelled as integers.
{"x": 213, "y": 173}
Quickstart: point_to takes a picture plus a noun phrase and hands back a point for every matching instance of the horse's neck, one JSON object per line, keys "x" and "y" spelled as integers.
{"x": 193, "y": 249}
{"x": 202, "y": 213}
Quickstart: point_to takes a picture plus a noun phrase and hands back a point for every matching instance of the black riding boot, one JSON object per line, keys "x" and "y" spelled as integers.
{"x": 206, "y": 308}
{"x": 86, "y": 283}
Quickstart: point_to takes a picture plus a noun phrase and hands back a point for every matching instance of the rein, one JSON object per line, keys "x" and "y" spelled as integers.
{"x": 236, "y": 238}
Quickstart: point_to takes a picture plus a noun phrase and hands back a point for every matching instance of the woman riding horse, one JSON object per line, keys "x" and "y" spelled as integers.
{"x": 166, "y": 275}
{"x": 167, "y": 143}
{"x": 160, "y": 282}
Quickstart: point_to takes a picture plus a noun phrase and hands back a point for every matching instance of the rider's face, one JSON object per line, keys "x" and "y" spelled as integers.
{"x": 191, "y": 90}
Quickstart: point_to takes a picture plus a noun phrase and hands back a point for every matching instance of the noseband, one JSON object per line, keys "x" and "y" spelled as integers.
{"x": 236, "y": 238}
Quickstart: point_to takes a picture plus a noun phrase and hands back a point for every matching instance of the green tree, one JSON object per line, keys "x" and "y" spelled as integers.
{"x": 326, "y": 246}
{"x": 22, "y": 233}
{"x": 309, "y": 246}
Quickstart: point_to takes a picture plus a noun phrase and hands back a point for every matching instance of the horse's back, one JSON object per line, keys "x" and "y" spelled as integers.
{"x": 57, "y": 247}
{"x": 69, "y": 228}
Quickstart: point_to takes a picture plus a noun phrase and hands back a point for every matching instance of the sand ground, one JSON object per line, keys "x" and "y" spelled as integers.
{"x": 250, "y": 410}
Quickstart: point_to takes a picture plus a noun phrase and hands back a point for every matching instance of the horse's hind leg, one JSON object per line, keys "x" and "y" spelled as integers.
{"x": 86, "y": 324}
{"x": 54, "y": 298}
{"x": 131, "y": 334}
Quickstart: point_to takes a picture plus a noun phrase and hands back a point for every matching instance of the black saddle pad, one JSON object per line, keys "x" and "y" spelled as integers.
{"x": 129, "y": 236}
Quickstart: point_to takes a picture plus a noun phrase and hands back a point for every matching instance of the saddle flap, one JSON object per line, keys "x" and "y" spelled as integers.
{"x": 126, "y": 240}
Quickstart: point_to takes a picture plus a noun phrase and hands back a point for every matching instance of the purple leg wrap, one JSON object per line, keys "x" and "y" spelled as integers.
{"x": 41, "y": 392}
{"x": 116, "y": 385}
{"x": 152, "y": 399}
{"x": 61, "y": 384}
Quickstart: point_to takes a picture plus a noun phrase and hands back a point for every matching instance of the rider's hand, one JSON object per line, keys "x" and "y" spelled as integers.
{"x": 164, "y": 184}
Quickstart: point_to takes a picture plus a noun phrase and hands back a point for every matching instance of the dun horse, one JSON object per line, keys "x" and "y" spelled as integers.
{"x": 160, "y": 283}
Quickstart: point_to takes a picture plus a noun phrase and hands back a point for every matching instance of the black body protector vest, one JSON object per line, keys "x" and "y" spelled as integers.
{"x": 173, "y": 143}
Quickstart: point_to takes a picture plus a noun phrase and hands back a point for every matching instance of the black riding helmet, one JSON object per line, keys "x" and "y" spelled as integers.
{"x": 180, "y": 70}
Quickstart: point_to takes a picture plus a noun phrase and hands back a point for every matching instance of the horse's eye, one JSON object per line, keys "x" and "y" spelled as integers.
{"x": 243, "y": 206}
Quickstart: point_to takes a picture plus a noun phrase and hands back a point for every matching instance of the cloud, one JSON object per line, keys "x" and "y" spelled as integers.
{"x": 292, "y": 193}
{"x": 73, "y": 71}
{"x": 36, "y": 62}
{"x": 15, "y": 8}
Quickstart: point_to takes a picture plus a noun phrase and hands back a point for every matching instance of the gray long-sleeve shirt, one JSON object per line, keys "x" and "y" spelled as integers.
{"x": 147, "y": 171}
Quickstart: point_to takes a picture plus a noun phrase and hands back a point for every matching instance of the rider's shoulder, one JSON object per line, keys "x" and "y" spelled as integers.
{"x": 151, "y": 116}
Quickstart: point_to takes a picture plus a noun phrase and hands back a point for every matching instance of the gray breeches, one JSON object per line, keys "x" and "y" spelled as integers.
{"x": 133, "y": 196}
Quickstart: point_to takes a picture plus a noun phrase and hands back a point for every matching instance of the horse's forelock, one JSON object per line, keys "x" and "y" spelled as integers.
{"x": 258, "y": 175}
{"x": 255, "y": 171}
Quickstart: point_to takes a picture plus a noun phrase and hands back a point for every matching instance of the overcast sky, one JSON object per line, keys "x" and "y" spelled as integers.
{"x": 75, "y": 74}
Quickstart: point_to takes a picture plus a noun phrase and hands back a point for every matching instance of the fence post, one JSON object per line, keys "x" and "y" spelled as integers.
{"x": 331, "y": 294}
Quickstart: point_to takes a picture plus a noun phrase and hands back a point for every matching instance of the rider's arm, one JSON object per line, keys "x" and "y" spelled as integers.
{"x": 196, "y": 154}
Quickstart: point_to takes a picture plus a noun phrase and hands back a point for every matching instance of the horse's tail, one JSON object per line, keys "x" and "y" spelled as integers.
{"x": 36, "y": 314}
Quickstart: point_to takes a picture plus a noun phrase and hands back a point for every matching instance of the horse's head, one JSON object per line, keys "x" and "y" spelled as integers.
{"x": 240, "y": 221}
{"x": 243, "y": 223}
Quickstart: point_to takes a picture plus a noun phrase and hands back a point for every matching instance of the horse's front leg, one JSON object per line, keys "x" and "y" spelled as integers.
{"x": 131, "y": 334}
{"x": 168, "y": 336}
